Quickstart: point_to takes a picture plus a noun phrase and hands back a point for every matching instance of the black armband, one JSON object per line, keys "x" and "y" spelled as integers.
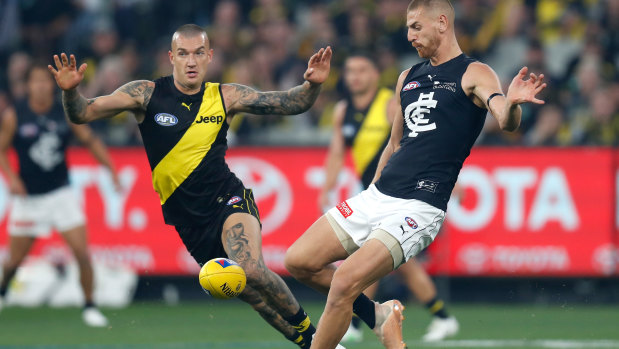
{"x": 492, "y": 96}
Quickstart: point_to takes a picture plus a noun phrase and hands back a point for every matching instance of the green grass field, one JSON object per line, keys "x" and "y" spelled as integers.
{"x": 232, "y": 324}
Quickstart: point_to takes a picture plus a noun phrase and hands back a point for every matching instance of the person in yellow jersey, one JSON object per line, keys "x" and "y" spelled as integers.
{"x": 183, "y": 121}
{"x": 362, "y": 123}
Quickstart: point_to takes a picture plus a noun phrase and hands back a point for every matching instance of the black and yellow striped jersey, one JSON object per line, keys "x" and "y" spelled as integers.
{"x": 366, "y": 132}
{"x": 185, "y": 141}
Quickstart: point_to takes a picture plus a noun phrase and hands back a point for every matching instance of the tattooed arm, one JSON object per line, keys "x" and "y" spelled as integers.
{"x": 239, "y": 98}
{"x": 133, "y": 96}
{"x": 294, "y": 101}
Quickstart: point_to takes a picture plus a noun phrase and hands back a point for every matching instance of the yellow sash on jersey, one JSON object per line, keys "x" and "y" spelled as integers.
{"x": 187, "y": 154}
{"x": 373, "y": 132}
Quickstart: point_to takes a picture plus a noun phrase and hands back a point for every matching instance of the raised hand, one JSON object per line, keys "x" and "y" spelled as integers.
{"x": 318, "y": 66}
{"x": 67, "y": 75}
{"x": 522, "y": 91}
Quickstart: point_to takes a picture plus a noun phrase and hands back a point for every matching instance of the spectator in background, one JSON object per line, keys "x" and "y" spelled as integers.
{"x": 546, "y": 129}
{"x": 502, "y": 32}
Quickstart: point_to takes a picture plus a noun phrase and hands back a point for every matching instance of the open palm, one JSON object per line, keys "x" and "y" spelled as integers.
{"x": 318, "y": 66}
{"x": 523, "y": 91}
{"x": 67, "y": 75}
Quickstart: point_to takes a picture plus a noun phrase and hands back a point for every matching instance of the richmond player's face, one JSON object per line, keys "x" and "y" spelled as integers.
{"x": 190, "y": 56}
{"x": 360, "y": 75}
{"x": 423, "y": 32}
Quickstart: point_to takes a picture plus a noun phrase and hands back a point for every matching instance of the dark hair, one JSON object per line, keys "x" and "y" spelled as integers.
{"x": 364, "y": 54}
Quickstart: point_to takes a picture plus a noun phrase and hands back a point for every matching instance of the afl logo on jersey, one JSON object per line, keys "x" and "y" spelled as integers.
{"x": 411, "y": 222}
{"x": 233, "y": 200}
{"x": 411, "y": 85}
{"x": 165, "y": 119}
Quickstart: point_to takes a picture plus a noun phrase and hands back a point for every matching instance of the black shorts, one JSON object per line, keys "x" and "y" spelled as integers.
{"x": 204, "y": 242}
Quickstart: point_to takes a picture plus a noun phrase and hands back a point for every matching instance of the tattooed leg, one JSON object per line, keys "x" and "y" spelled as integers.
{"x": 243, "y": 243}
{"x": 252, "y": 297}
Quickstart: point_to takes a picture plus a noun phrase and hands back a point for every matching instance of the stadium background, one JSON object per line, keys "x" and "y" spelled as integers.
{"x": 539, "y": 224}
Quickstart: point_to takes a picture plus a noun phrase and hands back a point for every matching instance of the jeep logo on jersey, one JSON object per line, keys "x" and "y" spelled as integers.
{"x": 210, "y": 119}
{"x": 415, "y": 114}
{"x": 411, "y": 86}
{"x": 411, "y": 222}
{"x": 165, "y": 119}
{"x": 233, "y": 200}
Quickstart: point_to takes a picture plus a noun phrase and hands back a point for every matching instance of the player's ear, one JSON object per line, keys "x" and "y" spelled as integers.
{"x": 209, "y": 53}
{"x": 443, "y": 23}
{"x": 171, "y": 56}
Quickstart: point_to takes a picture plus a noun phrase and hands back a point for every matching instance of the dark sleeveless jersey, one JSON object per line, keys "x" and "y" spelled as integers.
{"x": 441, "y": 125}
{"x": 185, "y": 141}
{"x": 366, "y": 132}
{"x": 41, "y": 142}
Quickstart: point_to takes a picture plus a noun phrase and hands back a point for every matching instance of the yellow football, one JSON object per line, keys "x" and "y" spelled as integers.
{"x": 222, "y": 278}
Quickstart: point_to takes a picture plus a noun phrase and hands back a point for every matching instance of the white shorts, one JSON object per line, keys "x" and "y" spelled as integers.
{"x": 37, "y": 215}
{"x": 405, "y": 226}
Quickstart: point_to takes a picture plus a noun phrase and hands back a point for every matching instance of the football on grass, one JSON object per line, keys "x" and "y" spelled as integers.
{"x": 222, "y": 278}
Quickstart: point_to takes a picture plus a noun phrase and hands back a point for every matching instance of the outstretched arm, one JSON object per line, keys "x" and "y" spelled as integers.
{"x": 240, "y": 98}
{"x": 486, "y": 88}
{"x": 133, "y": 96}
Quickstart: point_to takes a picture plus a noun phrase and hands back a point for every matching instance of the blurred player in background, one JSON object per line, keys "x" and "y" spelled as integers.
{"x": 42, "y": 198}
{"x": 443, "y": 105}
{"x": 361, "y": 122}
{"x": 184, "y": 121}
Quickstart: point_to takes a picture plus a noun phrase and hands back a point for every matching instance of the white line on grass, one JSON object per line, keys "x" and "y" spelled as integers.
{"x": 515, "y": 343}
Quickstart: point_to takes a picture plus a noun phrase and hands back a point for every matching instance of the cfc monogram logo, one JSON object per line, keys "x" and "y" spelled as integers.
{"x": 415, "y": 114}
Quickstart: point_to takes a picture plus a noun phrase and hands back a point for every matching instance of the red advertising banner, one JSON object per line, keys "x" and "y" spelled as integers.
{"x": 532, "y": 212}
{"x": 524, "y": 212}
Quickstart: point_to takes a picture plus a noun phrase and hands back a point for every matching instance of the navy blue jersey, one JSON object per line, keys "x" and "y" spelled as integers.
{"x": 441, "y": 125}
{"x": 41, "y": 142}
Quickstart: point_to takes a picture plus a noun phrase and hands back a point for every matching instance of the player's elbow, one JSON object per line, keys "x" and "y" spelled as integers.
{"x": 509, "y": 126}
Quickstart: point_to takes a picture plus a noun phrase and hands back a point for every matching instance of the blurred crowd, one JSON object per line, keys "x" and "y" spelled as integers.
{"x": 266, "y": 43}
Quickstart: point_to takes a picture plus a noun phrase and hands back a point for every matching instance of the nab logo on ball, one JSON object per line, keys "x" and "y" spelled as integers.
{"x": 222, "y": 278}
{"x": 411, "y": 222}
{"x": 165, "y": 119}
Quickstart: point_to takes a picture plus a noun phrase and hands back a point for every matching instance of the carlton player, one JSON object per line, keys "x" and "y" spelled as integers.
{"x": 443, "y": 104}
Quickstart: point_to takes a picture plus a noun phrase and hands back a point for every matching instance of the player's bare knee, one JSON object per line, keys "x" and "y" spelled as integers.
{"x": 302, "y": 267}
{"x": 346, "y": 286}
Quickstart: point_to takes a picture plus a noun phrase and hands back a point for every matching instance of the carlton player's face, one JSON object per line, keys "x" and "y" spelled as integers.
{"x": 360, "y": 75}
{"x": 41, "y": 85}
{"x": 422, "y": 32}
{"x": 190, "y": 57}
